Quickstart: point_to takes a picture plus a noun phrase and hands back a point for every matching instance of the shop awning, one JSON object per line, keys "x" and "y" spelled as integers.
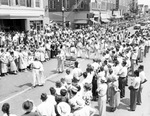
{"x": 15, "y": 16}
{"x": 105, "y": 16}
{"x": 105, "y": 20}
{"x": 80, "y": 22}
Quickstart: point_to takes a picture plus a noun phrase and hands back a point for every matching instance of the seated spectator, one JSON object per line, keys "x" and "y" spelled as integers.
{"x": 6, "y": 110}
{"x": 45, "y": 108}
{"x": 51, "y": 97}
{"x": 82, "y": 110}
{"x": 64, "y": 95}
{"x": 64, "y": 109}
{"x": 28, "y": 107}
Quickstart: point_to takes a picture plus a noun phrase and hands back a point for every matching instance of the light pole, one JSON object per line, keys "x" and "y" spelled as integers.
{"x": 63, "y": 17}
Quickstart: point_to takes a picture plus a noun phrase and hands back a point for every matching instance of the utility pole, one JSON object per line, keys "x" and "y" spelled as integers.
{"x": 63, "y": 15}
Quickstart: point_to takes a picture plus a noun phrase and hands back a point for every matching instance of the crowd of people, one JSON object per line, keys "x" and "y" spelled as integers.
{"x": 117, "y": 54}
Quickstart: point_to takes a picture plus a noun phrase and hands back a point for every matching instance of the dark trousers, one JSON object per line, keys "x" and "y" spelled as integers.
{"x": 145, "y": 50}
{"x": 139, "y": 100}
{"x": 122, "y": 83}
{"x": 133, "y": 98}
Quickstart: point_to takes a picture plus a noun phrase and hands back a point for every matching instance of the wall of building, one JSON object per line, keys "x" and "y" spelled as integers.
{"x": 22, "y": 10}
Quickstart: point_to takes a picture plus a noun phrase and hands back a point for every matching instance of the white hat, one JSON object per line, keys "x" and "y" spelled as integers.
{"x": 63, "y": 109}
{"x": 80, "y": 103}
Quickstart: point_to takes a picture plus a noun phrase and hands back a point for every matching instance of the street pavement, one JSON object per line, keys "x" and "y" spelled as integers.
{"x": 15, "y": 89}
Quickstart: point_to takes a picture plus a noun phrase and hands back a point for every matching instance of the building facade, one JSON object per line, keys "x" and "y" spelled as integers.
{"x": 80, "y": 11}
{"x": 21, "y": 15}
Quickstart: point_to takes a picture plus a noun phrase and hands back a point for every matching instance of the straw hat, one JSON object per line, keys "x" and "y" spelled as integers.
{"x": 63, "y": 109}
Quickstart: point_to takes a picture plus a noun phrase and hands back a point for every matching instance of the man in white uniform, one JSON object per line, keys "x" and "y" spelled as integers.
{"x": 37, "y": 67}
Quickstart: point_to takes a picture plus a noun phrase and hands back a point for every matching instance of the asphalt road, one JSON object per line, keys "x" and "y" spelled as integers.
{"x": 15, "y": 89}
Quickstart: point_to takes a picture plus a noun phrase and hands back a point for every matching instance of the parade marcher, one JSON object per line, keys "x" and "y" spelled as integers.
{"x": 4, "y": 62}
{"x": 134, "y": 90}
{"x": 61, "y": 59}
{"x": 143, "y": 80}
{"x": 37, "y": 67}
{"x": 122, "y": 79}
{"x": 13, "y": 67}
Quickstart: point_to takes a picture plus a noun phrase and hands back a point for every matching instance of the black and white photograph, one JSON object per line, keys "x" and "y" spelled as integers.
{"x": 74, "y": 57}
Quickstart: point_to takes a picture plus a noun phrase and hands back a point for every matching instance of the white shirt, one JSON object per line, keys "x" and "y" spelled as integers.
{"x": 142, "y": 76}
{"x": 123, "y": 72}
{"x": 136, "y": 82}
{"x": 76, "y": 72}
{"x": 46, "y": 109}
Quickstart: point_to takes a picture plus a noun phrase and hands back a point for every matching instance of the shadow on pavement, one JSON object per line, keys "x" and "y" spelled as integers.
{"x": 51, "y": 81}
{"x": 108, "y": 109}
{"x": 123, "y": 107}
{"x": 54, "y": 71}
{"x": 126, "y": 101}
{"x": 26, "y": 84}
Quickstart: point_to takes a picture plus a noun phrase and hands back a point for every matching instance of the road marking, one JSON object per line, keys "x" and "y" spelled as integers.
{"x": 25, "y": 90}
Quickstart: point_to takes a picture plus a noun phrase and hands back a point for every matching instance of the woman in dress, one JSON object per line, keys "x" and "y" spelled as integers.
{"x": 13, "y": 67}
{"x": 102, "y": 90}
{"x": 4, "y": 62}
{"x": 114, "y": 93}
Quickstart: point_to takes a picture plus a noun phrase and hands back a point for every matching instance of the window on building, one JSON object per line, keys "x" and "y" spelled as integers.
{"x": 22, "y": 3}
{"x": 16, "y": 2}
{"x": 52, "y": 4}
{"x": 4, "y": 2}
{"x": 37, "y": 3}
{"x": 28, "y": 3}
{"x": 82, "y": 5}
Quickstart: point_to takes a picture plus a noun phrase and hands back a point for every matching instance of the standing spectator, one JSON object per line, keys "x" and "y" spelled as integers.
{"x": 6, "y": 110}
{"x": 102, "y": 90}
{"x": 122, "y": 79}
{"x": 134, "y": 90}
{"x": 143, "y": 80}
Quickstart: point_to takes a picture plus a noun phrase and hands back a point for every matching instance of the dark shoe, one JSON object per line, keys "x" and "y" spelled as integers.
{"x": 131, "y": 110}
{"x": 34, "y": 86}
{"x": 138, "y": 103}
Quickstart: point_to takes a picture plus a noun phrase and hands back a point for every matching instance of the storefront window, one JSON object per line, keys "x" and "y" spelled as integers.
{"x": 38, "y": 25}
{"x": 22, "y": 3}
{"x": 52, "y": 4}
{"x": 4, "y": 2}
{"x": 16, "y": 2}
{"x": 37, "y": 3}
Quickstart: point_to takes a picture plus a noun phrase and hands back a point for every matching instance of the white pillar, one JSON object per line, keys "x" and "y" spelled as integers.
{"x": 27, "y": 24}
{"x": 41, "y": 4}
{"x": 33, "y": 3}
